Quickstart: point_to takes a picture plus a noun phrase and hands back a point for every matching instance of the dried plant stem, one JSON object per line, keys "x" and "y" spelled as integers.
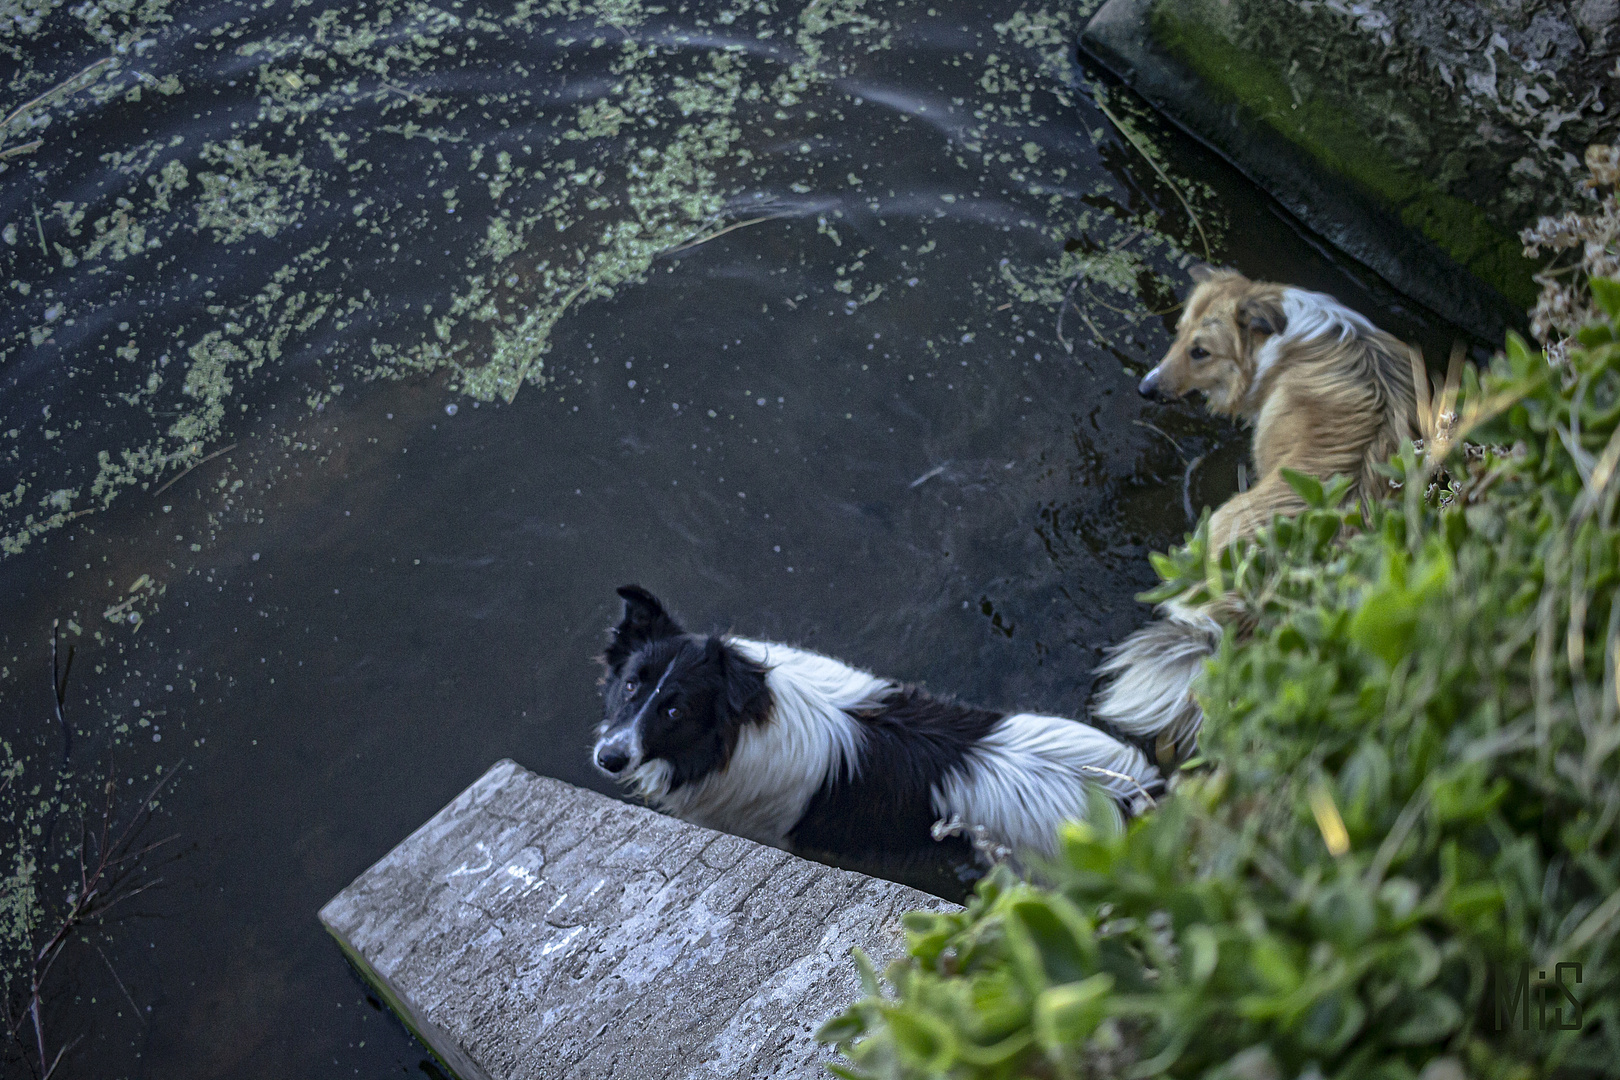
{"x": 173, "y": 480}
{"x": 721, "y": 232}
{"x": 66, "y": 85}
{"x": 1093, "y": 326}
{"x": 1111, "y": 774}
{"x": 1140, "y": 149}
{"x": 107, "y": 859}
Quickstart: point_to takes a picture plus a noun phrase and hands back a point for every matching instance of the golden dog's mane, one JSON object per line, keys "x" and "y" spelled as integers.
{"x": 1325, "y": 391}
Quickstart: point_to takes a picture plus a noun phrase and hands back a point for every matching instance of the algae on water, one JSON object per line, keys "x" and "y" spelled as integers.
{"x": 280, "y": 206}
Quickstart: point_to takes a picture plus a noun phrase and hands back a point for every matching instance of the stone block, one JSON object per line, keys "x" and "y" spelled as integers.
{"x": 1419, "y": 138}
{"x": 533, "y": 930}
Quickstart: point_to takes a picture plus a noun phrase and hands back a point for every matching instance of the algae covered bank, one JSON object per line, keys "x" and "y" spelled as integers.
{"x": 351, "y": 354}
{"x": 1419, "y": 138}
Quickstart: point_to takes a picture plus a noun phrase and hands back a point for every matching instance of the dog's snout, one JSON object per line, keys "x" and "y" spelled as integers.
{"x": 1149, "y": 386}
{"x": 612, "y": 759}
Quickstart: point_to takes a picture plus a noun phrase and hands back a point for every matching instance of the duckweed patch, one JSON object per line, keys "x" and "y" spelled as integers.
{"x": 321, "y": 197}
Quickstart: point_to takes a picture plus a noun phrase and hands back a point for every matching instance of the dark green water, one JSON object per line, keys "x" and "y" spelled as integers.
{"x": 436, "y": 306}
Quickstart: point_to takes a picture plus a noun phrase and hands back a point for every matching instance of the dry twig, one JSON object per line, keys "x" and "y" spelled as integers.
{"x": 173, "y": 480}
{"x": 107, "y": 860}
{"x": 721, "y": 232}
{"x": 1140, "y": 149}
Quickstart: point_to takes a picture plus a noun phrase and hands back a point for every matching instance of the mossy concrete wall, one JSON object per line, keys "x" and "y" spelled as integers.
{"x": 536, "y": 930}
{"x": 1418, "y": 137}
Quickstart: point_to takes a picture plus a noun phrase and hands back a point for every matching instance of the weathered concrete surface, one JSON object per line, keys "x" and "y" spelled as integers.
{"x": 1417, "y": 137}
{"x": 533, "y": 929}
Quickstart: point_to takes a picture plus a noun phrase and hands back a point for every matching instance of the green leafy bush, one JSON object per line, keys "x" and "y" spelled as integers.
{"x": 1410, "y": 790}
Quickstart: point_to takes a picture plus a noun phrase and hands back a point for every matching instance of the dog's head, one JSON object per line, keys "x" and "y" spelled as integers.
{"x": 675, "y": 702}
{"x": 1225, "y": 322}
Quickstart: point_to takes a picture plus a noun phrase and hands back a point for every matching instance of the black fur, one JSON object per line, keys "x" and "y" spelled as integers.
{"x": 698, "y": 693}
{"x": 677, "y": 704}
{"x": 644, "y": 620}
{"x": 911, "y": 744}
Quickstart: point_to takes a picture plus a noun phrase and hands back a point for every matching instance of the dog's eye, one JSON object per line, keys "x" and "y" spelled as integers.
{"x": 629, "y": 686}
{"x": 1198, "y": 352}
{"x": 674, "y": 712}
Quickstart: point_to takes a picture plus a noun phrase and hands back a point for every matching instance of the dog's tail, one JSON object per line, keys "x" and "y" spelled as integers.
{"x": 1150, "y": 693}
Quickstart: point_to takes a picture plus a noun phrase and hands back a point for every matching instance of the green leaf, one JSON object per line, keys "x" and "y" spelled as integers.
{"x": 1306, "y": 487}
{"x": 1061, "y": 936}
{"x": 1344, "y": 913}
{"x": 927, "y": 935}
{"x": 1203, "y": 952}
{"x": 1470, "y": 904}
{"x": 1519, "y": 356}
{"x": 1463, "y": 795}
{"x": 1253, "y": 1063}
{"x": 1428, "y": 1017}
{"x": 1270, "y": 961}
{"x": 999, "y": 1001}
{"x": 842, "y": 1028}
{"x": 1607, "y": 295}
{"x": 923, "y": 1039}
{"x": 1087, "y": 849}
{"x": 996, "y": 1053}
{"x": 1384, "y": 624}
{"x": 1167, "y": 590}
{"x": 1066, "y": 1015}
{"x": 1400, "y": 896}
{"x": 1332, "y": 1022}
{"x": 925, "y": 922}
{"x": 1418, "y": 961}
{"x": 1335, "y": 490}
{"x": 869, "y": 977}
{"x": 844, "y": 1072}
{"x": 1103, "y": 816}
{"x": 1595, "y": 334}
{"x": 1322, "y": 528}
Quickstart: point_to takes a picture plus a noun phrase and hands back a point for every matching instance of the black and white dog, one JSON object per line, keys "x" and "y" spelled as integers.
{"x": 800, "y": 751}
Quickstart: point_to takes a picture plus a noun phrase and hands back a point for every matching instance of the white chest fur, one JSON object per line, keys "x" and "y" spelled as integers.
{"x": 777, "y": 768}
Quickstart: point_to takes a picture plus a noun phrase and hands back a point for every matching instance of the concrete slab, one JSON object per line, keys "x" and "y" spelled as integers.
{"x": 533, "y": 929}
{"x": 1361, "y": 125}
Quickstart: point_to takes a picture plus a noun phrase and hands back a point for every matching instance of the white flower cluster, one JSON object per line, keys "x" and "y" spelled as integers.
{"x": 1565, "y": 304}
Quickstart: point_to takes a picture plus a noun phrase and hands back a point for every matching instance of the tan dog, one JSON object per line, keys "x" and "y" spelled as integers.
{"x": 1327, "y": 393}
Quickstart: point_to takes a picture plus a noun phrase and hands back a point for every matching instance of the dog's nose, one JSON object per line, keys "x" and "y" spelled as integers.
{"x": 612, "y": 760}
{"x": 1149, "y": 386}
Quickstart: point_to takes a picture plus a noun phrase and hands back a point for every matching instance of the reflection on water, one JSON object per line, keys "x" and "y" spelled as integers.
{"x": 353, "y": 354}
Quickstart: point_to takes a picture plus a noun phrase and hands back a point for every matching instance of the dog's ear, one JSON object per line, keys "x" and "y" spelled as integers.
{"x": 1261, "y": 316}
{"x": 744, "y": 681}
{"x": 644, "y": 620}
{"x": 1201, "y": 272}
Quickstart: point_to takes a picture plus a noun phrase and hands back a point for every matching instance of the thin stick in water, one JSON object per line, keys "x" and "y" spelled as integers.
{"x": 1140, "y": 149}
{"x": 721, "y": 232}
{"x": 1186, "y": 489}
{"x": 173, "y": 480}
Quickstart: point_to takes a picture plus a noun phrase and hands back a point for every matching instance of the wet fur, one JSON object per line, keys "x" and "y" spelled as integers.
{"x": 1326, "y": 392}
{"x": 798, "y": 750}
